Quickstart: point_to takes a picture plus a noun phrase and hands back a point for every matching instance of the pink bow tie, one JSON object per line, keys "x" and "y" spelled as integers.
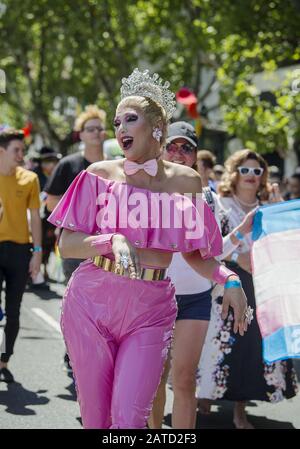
{"x": 150, "y": 167}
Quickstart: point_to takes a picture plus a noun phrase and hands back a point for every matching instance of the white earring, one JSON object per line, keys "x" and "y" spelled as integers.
{"x": 157, "y": 134}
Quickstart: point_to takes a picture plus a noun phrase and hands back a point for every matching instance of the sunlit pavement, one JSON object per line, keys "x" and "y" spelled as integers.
{"x": 43, "y": 395}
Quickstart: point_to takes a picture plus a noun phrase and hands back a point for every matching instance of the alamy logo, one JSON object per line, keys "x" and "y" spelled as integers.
{"x": 2, "y": 82}
{"x": 158, "y": 211}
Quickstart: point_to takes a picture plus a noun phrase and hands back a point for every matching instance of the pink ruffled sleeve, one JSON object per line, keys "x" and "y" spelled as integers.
{"x": 77, "y": 209}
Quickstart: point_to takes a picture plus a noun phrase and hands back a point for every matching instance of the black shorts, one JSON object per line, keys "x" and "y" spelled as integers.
{"x": 194, "y": 307}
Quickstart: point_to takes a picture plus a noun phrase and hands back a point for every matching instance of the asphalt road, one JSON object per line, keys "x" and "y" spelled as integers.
{"x": 43, "y": 395}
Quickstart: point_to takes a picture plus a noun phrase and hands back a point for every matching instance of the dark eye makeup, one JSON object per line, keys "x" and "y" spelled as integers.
{"x": 131, "y": 118}
{"x": 128, "y": 118}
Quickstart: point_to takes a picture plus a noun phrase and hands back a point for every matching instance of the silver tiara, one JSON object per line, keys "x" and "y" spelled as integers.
{"x": 142, "y": 84}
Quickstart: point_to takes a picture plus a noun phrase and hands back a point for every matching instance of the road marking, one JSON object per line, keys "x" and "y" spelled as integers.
{"x": 46, "y": 317}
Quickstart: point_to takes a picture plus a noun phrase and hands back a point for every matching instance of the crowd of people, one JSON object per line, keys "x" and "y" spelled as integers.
{"x": 154, "y": 280}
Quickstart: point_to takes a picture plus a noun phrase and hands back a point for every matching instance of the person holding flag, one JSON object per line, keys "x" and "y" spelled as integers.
{"x": 232, "y": 368}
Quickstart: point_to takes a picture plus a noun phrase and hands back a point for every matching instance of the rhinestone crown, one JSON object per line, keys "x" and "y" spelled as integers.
{"x": 142, "y": 84}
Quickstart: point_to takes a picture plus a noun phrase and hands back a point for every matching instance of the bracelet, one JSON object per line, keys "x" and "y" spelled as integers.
{"x": 239, "y": 235}
{"x": 233, "y": 284}
{"x": 221, "y": 274}
{"x": 37, "y": 249}
{"x": 103, "y": 243}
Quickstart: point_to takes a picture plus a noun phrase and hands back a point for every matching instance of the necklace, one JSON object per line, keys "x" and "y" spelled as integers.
{"x": 242, "y": 203}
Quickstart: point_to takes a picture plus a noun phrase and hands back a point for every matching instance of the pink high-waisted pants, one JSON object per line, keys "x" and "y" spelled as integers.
{"x": 117, "y": 332}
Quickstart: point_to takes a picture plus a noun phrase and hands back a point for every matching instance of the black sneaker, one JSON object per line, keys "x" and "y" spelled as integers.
{"x": 6, "y": 376}
{"x": 66, "y": 364}
{"x": 41, "y": 286}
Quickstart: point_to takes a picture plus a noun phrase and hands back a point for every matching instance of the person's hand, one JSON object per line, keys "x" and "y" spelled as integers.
{"x": 244, "y": 261}
{"x": 275, "y": 194}
{"x": 35, "y": 264}
{"x": 246, "y": 225}
{"x": 125, "y": 257}
{"x": 235, "y": 298}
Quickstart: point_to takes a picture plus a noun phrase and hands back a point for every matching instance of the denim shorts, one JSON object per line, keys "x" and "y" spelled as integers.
{"x": 194, "y": 307}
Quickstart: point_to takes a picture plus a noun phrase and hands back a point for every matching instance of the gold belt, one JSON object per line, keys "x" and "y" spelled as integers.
{"x": 147, "y": 274}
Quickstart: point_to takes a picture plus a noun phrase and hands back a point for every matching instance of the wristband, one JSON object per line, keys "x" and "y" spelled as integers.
{"x": 233, "y": 284}
{"x": 103, "y": 243}
{"x": 238, "y": 235}
{"x": 37, "y": 249}
{"x": 221, "y": 273}
{"x": 234, "y": 257}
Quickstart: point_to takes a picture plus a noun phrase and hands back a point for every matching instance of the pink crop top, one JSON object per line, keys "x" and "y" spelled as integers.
{"x": 168, "y": 222}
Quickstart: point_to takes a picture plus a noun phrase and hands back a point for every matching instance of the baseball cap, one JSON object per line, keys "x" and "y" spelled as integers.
{"x": 46, "y": 153}
{"x": 183, "y": 130}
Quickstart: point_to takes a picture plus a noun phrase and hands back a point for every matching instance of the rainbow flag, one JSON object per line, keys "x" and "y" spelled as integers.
{"x": 276, "y": 277}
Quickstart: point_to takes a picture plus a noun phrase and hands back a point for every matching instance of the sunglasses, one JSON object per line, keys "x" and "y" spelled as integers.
{"x": 91, "y": 129}
{"x": 244, "y": 171}
{"x": 185, "y": 148}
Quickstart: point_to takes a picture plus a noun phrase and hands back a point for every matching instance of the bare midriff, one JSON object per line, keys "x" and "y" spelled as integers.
{"x": 152, "y": 258}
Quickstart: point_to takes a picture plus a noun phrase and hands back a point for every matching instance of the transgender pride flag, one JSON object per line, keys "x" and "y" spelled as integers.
{"x": 276, "y": 277}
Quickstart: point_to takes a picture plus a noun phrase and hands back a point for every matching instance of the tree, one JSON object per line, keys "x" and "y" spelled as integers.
{"x": 63, "y": 55}
{"x": 59, "y": 56}
{"x": 265, "y": 37}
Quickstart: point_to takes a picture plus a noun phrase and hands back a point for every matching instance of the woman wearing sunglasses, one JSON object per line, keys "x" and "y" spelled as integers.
{"x": 232, "y": 368}
{"x": 193, "y": 296}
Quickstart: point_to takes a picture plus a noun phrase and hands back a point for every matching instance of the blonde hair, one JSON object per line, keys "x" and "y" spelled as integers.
{"x": 227, "y": 186}
{"x": 90, "y": 112}
{"x": 152, "y": 111}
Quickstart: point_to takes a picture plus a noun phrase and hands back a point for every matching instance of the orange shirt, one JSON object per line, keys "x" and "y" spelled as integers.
{"x": 18, "y": 192}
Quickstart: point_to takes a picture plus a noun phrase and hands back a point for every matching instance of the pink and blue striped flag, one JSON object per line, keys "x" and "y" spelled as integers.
{"x": 276, "y": 277}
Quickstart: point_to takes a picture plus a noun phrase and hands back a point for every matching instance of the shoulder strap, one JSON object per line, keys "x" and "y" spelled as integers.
{"x": 208, "y": 196}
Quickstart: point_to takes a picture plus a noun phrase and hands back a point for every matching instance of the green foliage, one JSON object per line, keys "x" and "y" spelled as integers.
{"x": 59, "y": 56}
{"x": 265, "y": 37}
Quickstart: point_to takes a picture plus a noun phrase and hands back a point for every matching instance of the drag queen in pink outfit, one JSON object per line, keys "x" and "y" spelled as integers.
{"x": 126, "y": 218}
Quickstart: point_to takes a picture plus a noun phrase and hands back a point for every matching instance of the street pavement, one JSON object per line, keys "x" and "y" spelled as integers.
{"x": 43, "y": 395}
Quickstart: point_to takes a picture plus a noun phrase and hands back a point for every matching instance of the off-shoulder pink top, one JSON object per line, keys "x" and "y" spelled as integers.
{"x": 162, "y": 221}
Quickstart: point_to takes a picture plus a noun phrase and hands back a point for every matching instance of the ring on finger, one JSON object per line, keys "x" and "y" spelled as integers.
{"x": 248, "y": 315}
{"x": 124, "y": 261}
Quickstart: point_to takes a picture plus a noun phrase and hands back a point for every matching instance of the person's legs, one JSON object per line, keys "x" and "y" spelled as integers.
{"x": 138, "y": 368}
{"x": 15, "y": 273}
{"x": 204, "y": 406}
{"x": 189, "y": 338}
{"x": 69, "y": 266}
{"x": 117, "y": 333}
{"x": 92, "y": 355}
{"x": 157, "y": 412}
{"x": 240, "y": 419}
{"x": 1, "y": 287}
{"x": 48, "y": 242}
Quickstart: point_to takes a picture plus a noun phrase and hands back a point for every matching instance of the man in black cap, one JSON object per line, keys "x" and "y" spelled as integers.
{"x": 47, "y": 160}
